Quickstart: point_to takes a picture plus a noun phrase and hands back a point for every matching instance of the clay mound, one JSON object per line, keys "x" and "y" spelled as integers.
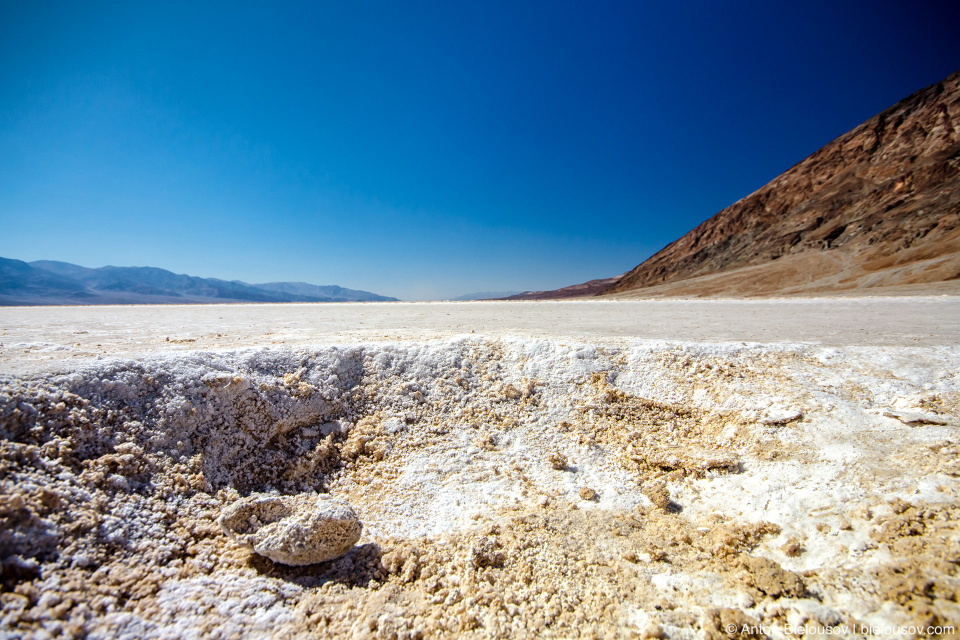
{"x": 877, "y": 207}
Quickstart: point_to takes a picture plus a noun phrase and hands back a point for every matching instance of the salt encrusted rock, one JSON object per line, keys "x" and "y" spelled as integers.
{"x": 772, "y": 579}
{"x": 693, "y": 459}
{"x": 586, "y": 493}
{"x": 777, "y": 416}
{"x": 915, "y": 418}
{"x": 292, "y": 530}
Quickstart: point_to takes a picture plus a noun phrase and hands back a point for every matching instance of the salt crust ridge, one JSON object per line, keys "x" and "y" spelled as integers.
{"x": 468, "y": 459}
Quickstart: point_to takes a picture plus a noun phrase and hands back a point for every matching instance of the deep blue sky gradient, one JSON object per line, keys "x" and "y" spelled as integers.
{"x": 424, "y": 149}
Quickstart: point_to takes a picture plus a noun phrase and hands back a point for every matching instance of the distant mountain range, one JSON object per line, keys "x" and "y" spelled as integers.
{"x": 485, "y": 295}
{"x": 51, "y": 282}
{"x": 591, "y": 288}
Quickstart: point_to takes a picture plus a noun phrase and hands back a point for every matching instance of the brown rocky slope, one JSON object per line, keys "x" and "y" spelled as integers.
{"x": 591, "y": 288}
{"x": 876, "y": 209}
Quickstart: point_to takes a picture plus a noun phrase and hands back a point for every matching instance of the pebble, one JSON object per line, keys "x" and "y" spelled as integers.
{"x": 778, "y": 416}
{"x": 293, "y": 530}
{"x": 915, "y": 418}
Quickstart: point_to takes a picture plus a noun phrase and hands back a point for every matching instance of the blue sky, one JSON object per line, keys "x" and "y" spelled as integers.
{"x": 424, "y": 149}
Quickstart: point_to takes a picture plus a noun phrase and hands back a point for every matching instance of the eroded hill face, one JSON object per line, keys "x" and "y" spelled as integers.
{"x": 590, "y": 288}
{"x": 877, "y": 207}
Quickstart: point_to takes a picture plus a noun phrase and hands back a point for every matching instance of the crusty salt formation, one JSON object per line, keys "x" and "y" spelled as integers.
{"x": 465, "y": 460}
{"x": 292, "y": 530}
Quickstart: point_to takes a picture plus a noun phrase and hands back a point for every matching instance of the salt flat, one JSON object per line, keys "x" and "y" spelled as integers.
{"x": 32, "y": 336}
{"x": 549, "y": 469}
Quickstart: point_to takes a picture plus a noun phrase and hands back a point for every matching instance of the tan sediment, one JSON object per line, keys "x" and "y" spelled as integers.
{"x": 468, "y": 462}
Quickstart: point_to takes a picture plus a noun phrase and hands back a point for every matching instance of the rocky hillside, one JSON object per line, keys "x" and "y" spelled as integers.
{"x": 878, "y": 207}
{"x": 591, "y": 288}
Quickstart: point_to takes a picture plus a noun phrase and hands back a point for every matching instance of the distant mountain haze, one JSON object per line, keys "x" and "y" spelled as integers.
{"x": 19, "y": 278}
{"x": 331, "y": 292}
{"x": 484, "y": 295}
{"x": 53, "y": 282}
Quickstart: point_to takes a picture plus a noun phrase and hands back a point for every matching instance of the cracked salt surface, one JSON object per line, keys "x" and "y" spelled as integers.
{"x": 444, "y": 448}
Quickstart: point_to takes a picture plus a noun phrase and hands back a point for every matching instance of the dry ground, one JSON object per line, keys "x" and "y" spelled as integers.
{"x": 575, "y": 484}
{"x": 34, "y": 338}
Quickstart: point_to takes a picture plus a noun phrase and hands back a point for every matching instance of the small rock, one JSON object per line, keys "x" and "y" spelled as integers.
{"x": 659, "y": 495}
{"x": 777, "y": 416}
{"x": 915, "y": 418}
{"x": 692, "y": 459}
{"x": 81, "y": 560}
{"x": 487, "y": 553}
{"x": 558, "y": 461}
{"x": 898, "y": 506}
{"x": 330, "y": 427}
{"x": 792, "y": 547}
{"x": 394, "y": 426}
{"x": 772, "y": 579}
{"x": 586, "y": 493}
{"x": 729, "y": 623}
{"x": 19, "y": 568}
{"x": 128, "y": 448}
{"x": 292, "y": 530}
